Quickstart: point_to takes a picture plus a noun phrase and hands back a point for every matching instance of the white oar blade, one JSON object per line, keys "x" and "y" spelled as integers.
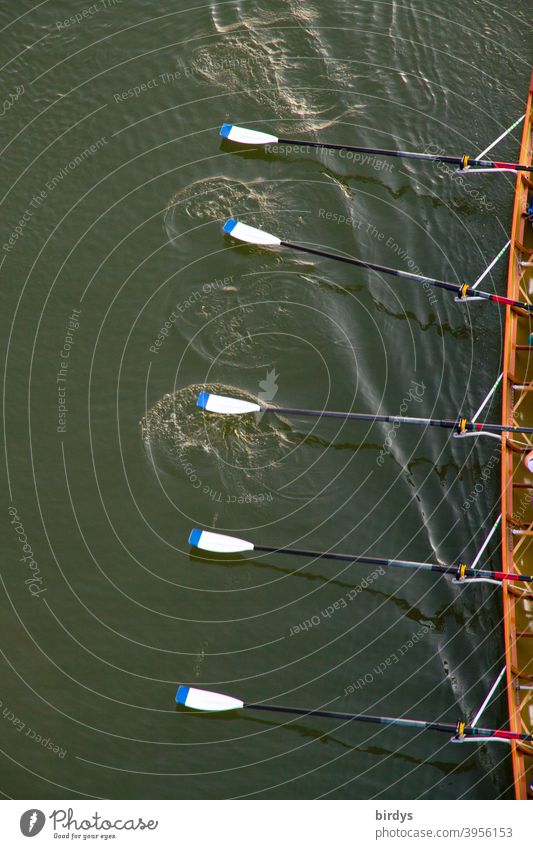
{"x": 205, "y": 699}
{"x": 243, "y": 136}
{"x": 208, "y": 541}
{"x": 224, "y": 405}
{"x": 249, "y": 234}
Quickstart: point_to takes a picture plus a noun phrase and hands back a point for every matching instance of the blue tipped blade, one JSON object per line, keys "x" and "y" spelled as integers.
{"x": 230, "y": 225}
{"x": 225, "y": 130}
{"x": 194, "y": 536}
{"x": 181, "y": 695}
{"x": 203, "y": 398}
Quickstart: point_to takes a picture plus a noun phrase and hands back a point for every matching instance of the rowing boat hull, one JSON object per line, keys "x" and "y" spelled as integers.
{"x": 517, "y": 510}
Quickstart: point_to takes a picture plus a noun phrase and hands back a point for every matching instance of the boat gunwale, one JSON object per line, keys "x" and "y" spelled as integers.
{"x": 518, "y": 754}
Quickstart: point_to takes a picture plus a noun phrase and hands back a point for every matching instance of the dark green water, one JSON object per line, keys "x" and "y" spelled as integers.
{"x": 112, "y": 162}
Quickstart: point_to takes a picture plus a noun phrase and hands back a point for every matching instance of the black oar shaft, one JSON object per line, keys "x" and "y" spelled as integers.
{"x": 458, "y": 570}
{"x": 355, "y": 717}
{"x": 470, "y": 427}
{"x": 373, "y": 266}
{"x": 462, "y": 290}
{"x": 446, "y": 727}
{"x": 356, "y": 558}
{"x": 404, "y": 154}
{"x": 377, "y": 151}
{"x": 331, "y": 555}
{"x": 361, "y": 417}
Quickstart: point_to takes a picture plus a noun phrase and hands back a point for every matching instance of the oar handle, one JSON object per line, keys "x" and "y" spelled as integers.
{"x": 512, "y": 167}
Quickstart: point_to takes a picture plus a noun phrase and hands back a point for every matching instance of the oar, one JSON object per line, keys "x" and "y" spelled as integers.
{"x": 209, "y": 701}
{"x": 241, "y": 135}
{"x": 253, "y": 236}
{"x": 221, "y": 544}
{"x": 234, "y": 407}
